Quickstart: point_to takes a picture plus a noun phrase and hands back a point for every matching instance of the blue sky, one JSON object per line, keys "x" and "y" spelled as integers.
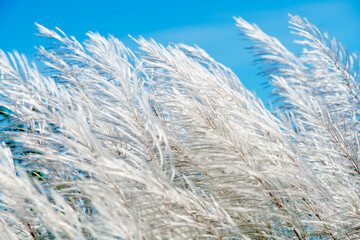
{"x": 208, "y": 24}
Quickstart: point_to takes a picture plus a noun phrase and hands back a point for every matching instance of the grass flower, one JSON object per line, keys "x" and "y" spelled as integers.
{"x": 168, "y": 144}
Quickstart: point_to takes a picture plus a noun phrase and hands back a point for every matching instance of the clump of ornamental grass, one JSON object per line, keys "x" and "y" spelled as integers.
{"x": 168, "y": 144}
